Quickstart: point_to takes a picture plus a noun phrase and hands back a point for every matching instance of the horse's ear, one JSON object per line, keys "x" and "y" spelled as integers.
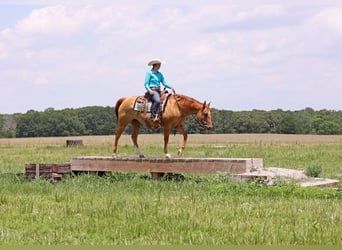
{"x": 204, "y": 104}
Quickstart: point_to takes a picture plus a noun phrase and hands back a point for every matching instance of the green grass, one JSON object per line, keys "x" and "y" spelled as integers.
{"x": 130, "y": 209}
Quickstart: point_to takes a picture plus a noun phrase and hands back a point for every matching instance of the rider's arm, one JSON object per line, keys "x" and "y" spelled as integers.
{"x": 164, "y": 82}
{"x": 147, "y": 81}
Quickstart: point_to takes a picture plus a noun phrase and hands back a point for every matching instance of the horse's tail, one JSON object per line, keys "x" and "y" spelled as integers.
{"x": 117, "y": 106}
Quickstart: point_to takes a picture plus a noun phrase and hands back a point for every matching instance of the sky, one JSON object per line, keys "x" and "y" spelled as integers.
{"x": 239, "y": 55}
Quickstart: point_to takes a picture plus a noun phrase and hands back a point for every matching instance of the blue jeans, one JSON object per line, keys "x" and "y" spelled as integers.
{"x": 155, "y": 103}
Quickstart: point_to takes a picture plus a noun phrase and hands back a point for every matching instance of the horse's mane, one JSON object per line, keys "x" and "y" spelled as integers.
{"x": 187, "y": 98}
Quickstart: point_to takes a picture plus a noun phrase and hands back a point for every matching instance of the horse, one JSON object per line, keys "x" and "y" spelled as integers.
{"x": 178, "y": 107}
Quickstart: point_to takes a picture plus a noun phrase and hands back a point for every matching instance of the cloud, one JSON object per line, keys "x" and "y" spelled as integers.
{"x": 330, "y": 19}
{"x": 91, "y": 54}
{"x": 50, "y": 20}
{"x": 260, "y": 17}
{"x": 3, "y": 54}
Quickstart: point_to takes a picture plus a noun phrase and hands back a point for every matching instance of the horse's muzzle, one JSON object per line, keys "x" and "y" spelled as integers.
{"x": 209, "y": 126}
{"x": 206, "y": 125}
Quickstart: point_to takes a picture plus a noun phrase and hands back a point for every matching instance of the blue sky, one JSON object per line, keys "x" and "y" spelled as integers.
{"x": 240, "y": 55}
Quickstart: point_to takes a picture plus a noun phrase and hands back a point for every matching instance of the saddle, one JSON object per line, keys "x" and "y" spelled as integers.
{"x": 143, "y": 104}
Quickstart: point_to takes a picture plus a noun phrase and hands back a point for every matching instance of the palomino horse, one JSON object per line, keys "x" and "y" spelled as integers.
{"x": 177, "y": 109}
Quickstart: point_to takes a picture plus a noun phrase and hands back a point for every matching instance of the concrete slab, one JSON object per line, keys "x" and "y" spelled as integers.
{"x": 319, "y": 182}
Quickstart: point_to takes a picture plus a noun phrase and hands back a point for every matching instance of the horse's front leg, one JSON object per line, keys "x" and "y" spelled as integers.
{"x": 167, "y": 131}
{"x": 136, "y": 128}
{"x": 182, "y": 131}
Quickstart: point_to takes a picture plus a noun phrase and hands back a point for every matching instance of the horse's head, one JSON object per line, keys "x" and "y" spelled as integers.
{"x": 204, "y": 116}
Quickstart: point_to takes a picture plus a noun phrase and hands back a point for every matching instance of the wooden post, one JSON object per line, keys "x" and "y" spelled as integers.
{"x": 37, "y": 171}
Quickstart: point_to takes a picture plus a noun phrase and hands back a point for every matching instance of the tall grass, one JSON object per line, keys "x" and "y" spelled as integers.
{"x": 130, "y": 209}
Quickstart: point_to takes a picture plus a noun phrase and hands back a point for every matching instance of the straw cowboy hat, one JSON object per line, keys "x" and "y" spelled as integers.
{"x": 155, "y": 61}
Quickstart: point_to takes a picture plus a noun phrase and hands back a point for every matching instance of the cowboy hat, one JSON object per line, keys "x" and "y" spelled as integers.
{"x": 155, "y": 61}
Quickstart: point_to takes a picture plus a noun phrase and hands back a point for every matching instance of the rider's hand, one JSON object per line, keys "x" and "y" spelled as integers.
{"x": 173, "y": 90}
{"x": 151, "y": 92}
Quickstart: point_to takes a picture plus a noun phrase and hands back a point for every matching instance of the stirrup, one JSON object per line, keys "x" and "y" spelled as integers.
{"x": 155, "y": 119}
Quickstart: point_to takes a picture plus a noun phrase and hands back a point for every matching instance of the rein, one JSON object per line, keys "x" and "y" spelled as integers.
{"x": 179, "y": 107}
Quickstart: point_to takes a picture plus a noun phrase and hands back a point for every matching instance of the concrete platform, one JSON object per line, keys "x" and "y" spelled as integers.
{"x": 164, "y": 165}
{"x": 272, "y": 174}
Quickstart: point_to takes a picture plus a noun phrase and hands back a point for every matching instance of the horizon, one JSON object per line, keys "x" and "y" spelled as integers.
{"x": 252, "y": 110}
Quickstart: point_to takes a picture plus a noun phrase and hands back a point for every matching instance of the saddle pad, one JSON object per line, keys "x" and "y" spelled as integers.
{"x": 142, "y": 105}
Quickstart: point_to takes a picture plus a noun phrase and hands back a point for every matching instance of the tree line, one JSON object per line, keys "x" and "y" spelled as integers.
{"x": 98, "y": 120}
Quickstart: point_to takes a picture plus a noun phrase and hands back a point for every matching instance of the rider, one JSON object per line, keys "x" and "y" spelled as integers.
{"x": 152, "y": 84}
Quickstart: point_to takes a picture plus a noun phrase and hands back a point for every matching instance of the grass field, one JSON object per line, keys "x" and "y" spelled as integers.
{"x": 130, "y": 209}
{"x": 290, "y": 151}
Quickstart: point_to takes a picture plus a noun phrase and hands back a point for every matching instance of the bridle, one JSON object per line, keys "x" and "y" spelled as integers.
{"x": 202, "y": 123}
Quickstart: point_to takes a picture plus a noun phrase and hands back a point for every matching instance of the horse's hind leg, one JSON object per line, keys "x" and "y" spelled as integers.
{"x": 136, "y": 128}
{"x": 121, "y": 129}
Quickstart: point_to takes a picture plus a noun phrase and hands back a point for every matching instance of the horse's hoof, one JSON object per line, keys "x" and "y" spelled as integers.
{"x": 114, "y": 156}
{"x": 168, "y": 156}
{"x": 141, "y": 156}
{"x": 180, "y": 152}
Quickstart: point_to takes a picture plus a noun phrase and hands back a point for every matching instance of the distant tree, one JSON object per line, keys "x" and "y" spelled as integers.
{"x": 28, "y": 124}
{"x": 49, "y": 123}
{"x": 303, "y": 118}
{"x": 326, "y": 122}
{"x": 258, "y": 123}
{"x": 223, "y": 121}
{"x": 7, "y": 126}
{"x": 98, "y": 120}
{"x": 2, "y": 134}
{"x": 287, "y": 124}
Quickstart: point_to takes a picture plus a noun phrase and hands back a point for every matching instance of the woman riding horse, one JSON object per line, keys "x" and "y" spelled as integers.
{"x": 177, "y": 109}
{"x": 152, "y": 84}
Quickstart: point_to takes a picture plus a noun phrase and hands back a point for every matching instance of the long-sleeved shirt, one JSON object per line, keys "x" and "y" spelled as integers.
{"x": 153, "y": 80}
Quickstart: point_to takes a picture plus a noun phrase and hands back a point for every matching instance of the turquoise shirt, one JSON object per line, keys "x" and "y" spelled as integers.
{"x": 153, "y": 80}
